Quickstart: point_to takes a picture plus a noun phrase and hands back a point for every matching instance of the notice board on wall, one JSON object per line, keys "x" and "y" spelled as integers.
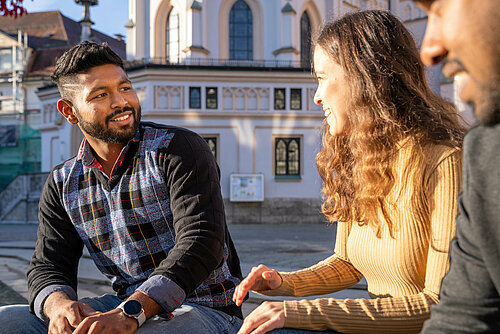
{"x": 246, "y": 188}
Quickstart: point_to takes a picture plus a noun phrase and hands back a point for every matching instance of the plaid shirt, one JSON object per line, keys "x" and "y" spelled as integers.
{"x": 156, "y": 224}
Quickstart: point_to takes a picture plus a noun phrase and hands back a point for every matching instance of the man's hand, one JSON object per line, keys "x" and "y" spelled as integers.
{"x": 265, "y": 318}
{"x": 113, "y": 321}
{"x": 261, "y": 278}
{"x": 65, "y": 314}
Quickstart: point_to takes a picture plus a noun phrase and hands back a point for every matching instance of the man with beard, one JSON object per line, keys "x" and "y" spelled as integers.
{"x": 465, "y": 35}
{"x": 145, "y": 200}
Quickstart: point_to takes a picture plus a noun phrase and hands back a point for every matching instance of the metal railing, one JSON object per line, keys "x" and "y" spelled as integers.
{"x": 213, "y": 62}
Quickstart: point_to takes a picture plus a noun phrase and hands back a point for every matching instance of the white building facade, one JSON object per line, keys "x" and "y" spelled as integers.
{"x": 238, "y": 73}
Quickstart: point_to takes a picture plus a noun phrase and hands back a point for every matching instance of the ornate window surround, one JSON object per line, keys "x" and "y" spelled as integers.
{"x": 314, "y": 18}
{"x": 160, "y": 24}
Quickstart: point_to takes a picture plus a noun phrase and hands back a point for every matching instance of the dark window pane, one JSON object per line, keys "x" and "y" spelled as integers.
{"x": 295, "y": 98}
{"x": 212, "y": 143}
{"x": 211, "y": 97}
{"x": 305, "y": 40}
{"x": 195, "y": 97}
{"x": 279, "y": 98}
{"x": 293, "y": 168}
{"x": 240, "y": 46}
{"x": 281, "y": 150}
{"x": 240, "y": 32}
{"x": 280, "y": 167}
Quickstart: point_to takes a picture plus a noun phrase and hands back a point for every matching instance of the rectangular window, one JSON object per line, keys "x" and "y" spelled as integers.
{"x": 211, "y": 98}
{"x": 5, "y": 59}
{"x": 287, "y": 157}
{"x": 212, "y": 143}
{"x": 195, "y": 97}
{"x": 296, "y": 98}
{"x": 8, "y": 135}
{"x": 279, "y": 98}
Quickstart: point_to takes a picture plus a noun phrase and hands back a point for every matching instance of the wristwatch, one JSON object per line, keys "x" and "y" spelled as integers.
{"x": 133, "y": 309}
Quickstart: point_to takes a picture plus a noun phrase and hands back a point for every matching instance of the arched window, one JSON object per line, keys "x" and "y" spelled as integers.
{"x": 173, "y": 40}
{"x": 305, "y": 40}
{"x": 287, "y": 156}
{"x": 407, "y": 13}
{"x": 240, "y": 32}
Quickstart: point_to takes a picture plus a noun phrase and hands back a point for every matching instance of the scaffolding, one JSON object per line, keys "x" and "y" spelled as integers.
{"x": 20, "y": 140}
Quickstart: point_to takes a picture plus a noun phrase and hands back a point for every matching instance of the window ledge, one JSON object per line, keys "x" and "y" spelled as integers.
{"x": 287, "y": 178}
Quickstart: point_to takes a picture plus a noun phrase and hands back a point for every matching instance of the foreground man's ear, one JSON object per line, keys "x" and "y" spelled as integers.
{"x": 65, "y": 107}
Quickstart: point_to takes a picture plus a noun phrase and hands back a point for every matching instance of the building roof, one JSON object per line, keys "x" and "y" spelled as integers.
{"x": 49, "y": 35}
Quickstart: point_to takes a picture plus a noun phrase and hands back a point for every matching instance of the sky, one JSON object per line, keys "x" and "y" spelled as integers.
{"x": 109, "y": 16}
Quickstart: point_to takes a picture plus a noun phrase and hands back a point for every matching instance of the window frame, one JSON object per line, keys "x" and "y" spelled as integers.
{"x": 248, "y": 36}
{"x": 305, "y": 42}
{"x": 207, "y": 97}
{"x": 191, "y": 89}
{"x": 207, "y": 136}
{"x": 299, "y": 90}
{"x": 6, "y": 53}
{"x": 168, "y": 36}
{"x": 287, "y": 139}
{"x": 284, "y": 98}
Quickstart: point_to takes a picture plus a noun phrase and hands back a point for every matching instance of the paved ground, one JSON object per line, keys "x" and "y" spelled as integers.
{"x": 282, "y": 247}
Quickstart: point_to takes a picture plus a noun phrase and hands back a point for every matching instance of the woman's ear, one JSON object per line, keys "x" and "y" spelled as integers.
{"x": 65, "y": 107}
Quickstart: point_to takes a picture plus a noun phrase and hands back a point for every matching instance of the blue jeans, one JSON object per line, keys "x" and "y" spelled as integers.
{"x": 189, "y": 318}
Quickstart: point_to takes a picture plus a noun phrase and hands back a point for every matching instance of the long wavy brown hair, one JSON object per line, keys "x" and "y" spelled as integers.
{"x": 390, "y": 102}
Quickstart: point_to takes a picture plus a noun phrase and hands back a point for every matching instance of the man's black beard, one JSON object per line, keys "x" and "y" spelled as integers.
{"x": 101, "y": 132}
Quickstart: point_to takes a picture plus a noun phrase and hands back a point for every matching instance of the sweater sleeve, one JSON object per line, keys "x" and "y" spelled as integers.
{"x": 332, "y": 274}
{"x": 399, "y": 313}
{"x": 54, "y": 264}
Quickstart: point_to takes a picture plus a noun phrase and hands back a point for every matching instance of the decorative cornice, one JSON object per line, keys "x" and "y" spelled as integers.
{"x": 130, "y": 24}
{"x": 286, "y": 49}
{"x": 196, "y": 5}
{"x": 288, "y": 9}
{"x": 196, "y": 48}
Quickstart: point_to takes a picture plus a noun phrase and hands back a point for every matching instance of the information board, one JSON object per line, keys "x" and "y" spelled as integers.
{"x": 247, "y": 188}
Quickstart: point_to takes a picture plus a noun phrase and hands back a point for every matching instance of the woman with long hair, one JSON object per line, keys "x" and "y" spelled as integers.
{"x": 391, "y": 166}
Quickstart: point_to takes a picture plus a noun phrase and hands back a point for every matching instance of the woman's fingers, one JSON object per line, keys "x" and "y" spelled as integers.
{"x": 266, "y": 317}
{"x": 251, "y": 282}
{"x": 273, "y": 279}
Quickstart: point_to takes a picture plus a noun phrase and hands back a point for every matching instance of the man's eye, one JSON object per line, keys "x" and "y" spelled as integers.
{"x": 99, "y": 96}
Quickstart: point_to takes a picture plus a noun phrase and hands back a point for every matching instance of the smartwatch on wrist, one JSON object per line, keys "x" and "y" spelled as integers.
{"x": 133, "y": 309}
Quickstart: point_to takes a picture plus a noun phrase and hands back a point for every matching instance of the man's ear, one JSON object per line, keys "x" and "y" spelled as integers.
{"x": 65, "y": 107}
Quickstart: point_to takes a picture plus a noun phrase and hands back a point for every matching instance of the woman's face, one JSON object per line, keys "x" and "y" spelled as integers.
{"x": 332, "y": 92}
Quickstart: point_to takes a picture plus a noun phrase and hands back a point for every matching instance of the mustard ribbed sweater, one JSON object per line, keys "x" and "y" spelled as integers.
{"x": 403, "y": 273}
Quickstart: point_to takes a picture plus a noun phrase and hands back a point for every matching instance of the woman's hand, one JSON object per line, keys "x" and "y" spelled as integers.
{"x": 265, "y": 318}
{"x": 260, "y": 278}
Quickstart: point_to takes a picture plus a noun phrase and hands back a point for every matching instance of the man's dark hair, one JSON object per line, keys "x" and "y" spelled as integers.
{"x": 80, "y": 59}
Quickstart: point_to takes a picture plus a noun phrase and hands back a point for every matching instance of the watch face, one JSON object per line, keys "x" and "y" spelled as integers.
{"x": 132, "y": 307}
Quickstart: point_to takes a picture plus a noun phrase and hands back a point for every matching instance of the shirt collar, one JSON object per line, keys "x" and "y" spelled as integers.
{"x": 86, "y": 156}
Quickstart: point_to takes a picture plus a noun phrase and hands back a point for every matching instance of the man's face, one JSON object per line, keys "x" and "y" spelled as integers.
{"x": 106, "y": 105}
{"x": 466, "y": 34}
